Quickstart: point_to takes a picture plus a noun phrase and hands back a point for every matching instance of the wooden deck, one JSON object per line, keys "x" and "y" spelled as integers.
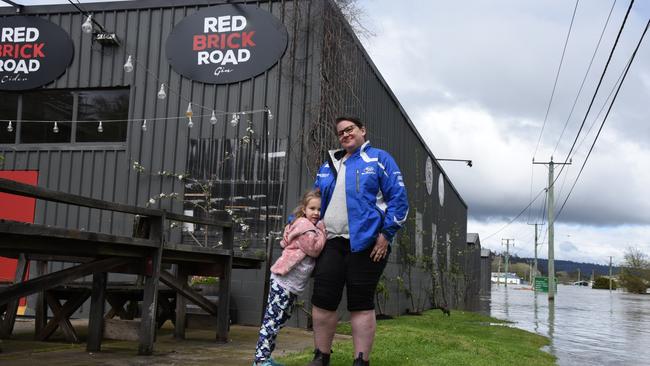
{"x": 146, "y": 253}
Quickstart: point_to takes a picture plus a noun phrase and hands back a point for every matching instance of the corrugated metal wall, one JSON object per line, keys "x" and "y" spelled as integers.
{"x": 314, "y": 81}
{"x": 104, "y": 171}
{"x": 289, "y": 89}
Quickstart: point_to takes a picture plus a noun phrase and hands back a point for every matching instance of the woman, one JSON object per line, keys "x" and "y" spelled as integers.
{"x": 363, "y": 203}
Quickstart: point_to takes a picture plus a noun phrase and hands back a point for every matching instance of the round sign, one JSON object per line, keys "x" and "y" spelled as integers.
{"x": 428, "y": 174}
{"x": 226, "y": 43}
{"x": 33, "y": 52}
{"x": 441, "y": 189}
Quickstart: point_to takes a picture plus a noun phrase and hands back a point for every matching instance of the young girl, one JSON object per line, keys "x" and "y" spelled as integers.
{"x": 302, "y": 241}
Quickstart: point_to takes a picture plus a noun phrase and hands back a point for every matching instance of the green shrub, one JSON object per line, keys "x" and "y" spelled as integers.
{"x": 633, "y": 284}
{"x": 603, "y": 283}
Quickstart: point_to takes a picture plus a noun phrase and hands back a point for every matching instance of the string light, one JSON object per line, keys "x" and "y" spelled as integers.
{"x": 235, "y": 120}
{"x": 270, "y": 114}
{"x": 189, "y": 115}
{"x": 161, "y": 92}
{"x": 87, "y": 27}
{"x": 128, "y": 66}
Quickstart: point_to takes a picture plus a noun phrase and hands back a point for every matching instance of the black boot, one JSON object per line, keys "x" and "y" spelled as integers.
{"x": 359, "y": 361}
{"x": 320, "y": 359}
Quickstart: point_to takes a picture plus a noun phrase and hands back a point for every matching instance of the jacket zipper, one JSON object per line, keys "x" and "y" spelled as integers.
{"x": 357, "y": 180}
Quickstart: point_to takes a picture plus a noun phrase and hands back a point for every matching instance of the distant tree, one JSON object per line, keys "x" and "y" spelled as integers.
{"x": 602, "y": 283}
{"x": 635, "y": 272}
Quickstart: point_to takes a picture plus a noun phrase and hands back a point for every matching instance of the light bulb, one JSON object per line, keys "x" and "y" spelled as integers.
{"x": 188, "y": 112}
{"x": 55, "y": 129}
{"x": 144, "y": 125}
{"x": 10, "y": 128}
{"x": 128, "y": 66}
{"x": 100, "y": 128}
{"x": 161, "y": 92}
{"x": 87, "y": 27}
{"x": 190, "y": 124}
{"x": 213, "y": 118}
{"x": 270, "y": 114}
{"x": 235, "y": 119}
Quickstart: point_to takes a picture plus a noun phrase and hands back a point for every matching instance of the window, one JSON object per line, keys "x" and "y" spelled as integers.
{"x": 100, "y": 105}
{"x": 77, "y": 114}
{"x": 8, "y": 111}
{"x": 46, "y": 105}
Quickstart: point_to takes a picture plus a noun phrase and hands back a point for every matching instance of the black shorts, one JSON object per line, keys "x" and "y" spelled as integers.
{"x": 338, "y": 266}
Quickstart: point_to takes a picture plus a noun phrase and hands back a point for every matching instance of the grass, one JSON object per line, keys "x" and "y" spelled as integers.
{"x": 434, "y": 339}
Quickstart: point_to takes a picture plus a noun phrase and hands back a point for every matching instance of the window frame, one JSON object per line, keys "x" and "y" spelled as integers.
{"x": 73, "y": 144}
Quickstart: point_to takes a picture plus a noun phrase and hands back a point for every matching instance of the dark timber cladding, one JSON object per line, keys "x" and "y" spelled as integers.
{"x": 324, "y": 73}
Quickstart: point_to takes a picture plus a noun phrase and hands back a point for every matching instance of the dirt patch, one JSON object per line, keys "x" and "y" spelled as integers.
{"x": 199, "y": 348}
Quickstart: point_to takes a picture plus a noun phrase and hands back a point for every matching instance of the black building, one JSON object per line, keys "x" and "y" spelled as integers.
{"x": 273, "y": 126}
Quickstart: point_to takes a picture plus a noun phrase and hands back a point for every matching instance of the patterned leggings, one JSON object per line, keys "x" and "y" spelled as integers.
{"x": 278, "y": 311}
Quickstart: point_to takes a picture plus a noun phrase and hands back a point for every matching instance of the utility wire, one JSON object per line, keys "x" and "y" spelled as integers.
{"x": 557, "y": 76}
{"x": 584, "y": 79}
{"x": 602, "y": 109}
{"x": 516, "y": 217}
{"x": 600, "y": 81}
{"x": 627, "y": 68}
{"x": 548, "y": 108}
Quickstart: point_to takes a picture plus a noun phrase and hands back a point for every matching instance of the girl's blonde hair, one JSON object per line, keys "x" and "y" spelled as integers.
{"x": 308, "y": 196}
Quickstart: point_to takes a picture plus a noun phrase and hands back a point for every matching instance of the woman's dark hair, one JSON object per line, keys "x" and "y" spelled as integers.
{"x": 354, "y": 120}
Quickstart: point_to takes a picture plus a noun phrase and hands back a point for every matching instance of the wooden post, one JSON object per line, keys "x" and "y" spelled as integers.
{"x": 7, "y": 326}
{"x": 223, "y": 311}
{"x": 96, "y": 315}
{"x": 181, "y": 302}
{"x": 148, "y": 323}
{"x": 40, "y": 316}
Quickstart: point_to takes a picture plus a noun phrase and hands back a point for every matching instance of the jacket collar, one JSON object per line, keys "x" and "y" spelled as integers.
{"x": 338, "y": 154}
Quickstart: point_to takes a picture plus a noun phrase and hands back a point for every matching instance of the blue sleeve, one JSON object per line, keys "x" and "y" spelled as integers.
{"x": 394, "y": 192}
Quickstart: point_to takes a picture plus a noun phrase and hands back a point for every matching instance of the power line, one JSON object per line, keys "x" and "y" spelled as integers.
{"x": 600, "y": 81}
{"x": 557, "y": 76}
{"x": 583, "y": 121}
{"x": 584, "y": 79}
{"x": 516, "y": 217}
{"x": 627, "y": 68}
{"x": 607, "y": 101}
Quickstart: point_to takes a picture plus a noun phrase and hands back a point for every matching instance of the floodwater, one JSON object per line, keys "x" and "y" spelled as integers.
{"x": 586, "y": 326}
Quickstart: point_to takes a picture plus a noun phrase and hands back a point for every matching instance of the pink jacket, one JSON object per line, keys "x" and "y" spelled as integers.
{"x": 301, "y": 238}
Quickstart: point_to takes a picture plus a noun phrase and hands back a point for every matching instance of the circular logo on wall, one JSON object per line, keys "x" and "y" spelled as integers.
{"x": 428, "y": 174}
{"x": 226, "y": 43}
{"x": 33, "y": 52}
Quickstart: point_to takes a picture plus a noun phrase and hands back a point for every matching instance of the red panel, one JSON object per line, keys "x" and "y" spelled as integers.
{"x": 16, "y": 208}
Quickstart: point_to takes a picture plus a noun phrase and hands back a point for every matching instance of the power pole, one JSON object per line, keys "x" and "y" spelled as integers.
{"x": 507, "y": 254}
{"x": 610, "y": 273}
{"x": 499, "y": 271}
{"x": 551, "y": 231}
{"x": 579, "y": 274}
{"x": 535, "y": 268}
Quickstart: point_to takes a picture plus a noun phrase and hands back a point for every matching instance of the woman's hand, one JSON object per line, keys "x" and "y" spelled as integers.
{"x": 380, "y": 250}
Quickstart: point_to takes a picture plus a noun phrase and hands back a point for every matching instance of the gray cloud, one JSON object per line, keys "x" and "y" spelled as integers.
{"x": 484, "y": 74}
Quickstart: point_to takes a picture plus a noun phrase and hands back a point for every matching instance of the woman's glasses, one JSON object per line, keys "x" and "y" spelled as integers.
{"x": 346, "y": 131}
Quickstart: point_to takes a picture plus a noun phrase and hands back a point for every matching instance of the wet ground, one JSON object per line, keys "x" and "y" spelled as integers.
{"x": 198, "y": 349}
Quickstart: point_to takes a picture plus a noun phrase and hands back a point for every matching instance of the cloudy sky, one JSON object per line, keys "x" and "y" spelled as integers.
{"x": 476, "y": 78}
